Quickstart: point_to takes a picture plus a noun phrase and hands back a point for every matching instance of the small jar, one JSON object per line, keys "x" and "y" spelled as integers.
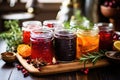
{"x": 87, "y": 41}
{"x": 27, "y": 26}
{"x": 52, "y": 24}
{"x": 106, "y": 32}
{"x": 65, "y": 45}
{"x": 42, "y": 45}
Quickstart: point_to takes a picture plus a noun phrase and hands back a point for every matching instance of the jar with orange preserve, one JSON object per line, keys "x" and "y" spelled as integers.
{"x": 87, "y": 41}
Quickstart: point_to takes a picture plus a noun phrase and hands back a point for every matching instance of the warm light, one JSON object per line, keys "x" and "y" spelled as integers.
{"x": 30, "y": 10}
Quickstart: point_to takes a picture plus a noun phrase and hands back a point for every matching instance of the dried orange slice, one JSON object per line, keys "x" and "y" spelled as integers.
{"x": 24, "y": 50}
{"x": 117, "y": 45}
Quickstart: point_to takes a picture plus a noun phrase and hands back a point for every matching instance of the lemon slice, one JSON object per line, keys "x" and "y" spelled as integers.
{"x": 117, "y": 45}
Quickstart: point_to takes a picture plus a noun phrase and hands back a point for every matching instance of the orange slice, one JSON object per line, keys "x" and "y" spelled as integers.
{"x": 117, "y": 45}
{"x": 24, "y": 50}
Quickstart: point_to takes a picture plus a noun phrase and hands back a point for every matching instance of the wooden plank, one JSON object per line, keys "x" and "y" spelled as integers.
{"x": 5, "y": 70}
{"x": 59, "y": 68}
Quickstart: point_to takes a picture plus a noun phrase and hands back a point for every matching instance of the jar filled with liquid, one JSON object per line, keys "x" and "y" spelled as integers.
{"x": 65, "y": 45}
{"x": 27, "y": 26}
{"x": 42, "y": 45}
{"x": 87, "y": 41}
{"x": 106, "y": 32}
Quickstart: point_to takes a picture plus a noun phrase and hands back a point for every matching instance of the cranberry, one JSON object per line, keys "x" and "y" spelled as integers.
{"x": 19, "y": 67}
{"x": 85, "y": 70}
{"x": 24, "y": 70}
{"x": 28, "y": 61}
{"x": 26, "y": 74}
{"x": 39, "y": 68}
{"x": 106, "y": 3}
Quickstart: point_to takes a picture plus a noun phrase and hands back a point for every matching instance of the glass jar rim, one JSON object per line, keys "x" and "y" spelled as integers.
{"x": 41, "y": 33}
{"x": 25, "y": 23}
{"x": 64, "y": 33}
{"x": 105, "y": 26}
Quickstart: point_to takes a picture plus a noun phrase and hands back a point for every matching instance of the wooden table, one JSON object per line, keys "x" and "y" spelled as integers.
{"x": 10, "y": 72}
{"x": 112, "y": 72}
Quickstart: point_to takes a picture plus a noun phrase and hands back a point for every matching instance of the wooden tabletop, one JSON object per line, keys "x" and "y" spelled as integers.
{"x": 112, "y": 72}
{"x": 10, "y": 72}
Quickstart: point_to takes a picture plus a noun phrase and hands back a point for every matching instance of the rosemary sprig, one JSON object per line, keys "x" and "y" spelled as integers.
{"x": 92, "y": 57}
{"x": 13, "y": 35}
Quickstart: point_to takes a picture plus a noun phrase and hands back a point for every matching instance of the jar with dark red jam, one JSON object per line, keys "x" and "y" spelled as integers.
{"x": 65, "y": 45}
{"x": 106, "y": 31}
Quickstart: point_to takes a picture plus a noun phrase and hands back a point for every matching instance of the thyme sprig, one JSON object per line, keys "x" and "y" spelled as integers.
{"x": 13, "y": 35}
{"x": 92, "y": 57}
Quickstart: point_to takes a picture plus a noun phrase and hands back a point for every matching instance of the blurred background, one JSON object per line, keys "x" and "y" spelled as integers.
{"x": 49, "y": 9}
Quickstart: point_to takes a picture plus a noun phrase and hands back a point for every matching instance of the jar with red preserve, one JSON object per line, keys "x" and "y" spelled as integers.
{"x": 52, "y": 24}
{"x": 42, "y": 45}
{"x": 106, "y": 31}
{"x": 27, "y": 26}
{"x": 116, "y": 36}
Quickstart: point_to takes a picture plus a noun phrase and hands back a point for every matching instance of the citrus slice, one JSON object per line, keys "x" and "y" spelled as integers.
{"x": 24, "y": 50}
{"x": 117, "y": 45}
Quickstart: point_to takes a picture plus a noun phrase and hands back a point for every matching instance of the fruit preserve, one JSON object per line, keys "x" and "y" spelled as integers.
{"x": 42, "y": 45}
{"x": 87, "y": 41}
{"x": 27, "y": 27}
{"x": 65, "y": 45}
{"x": 52, "y": 24}
{"x": 106, "y": 32}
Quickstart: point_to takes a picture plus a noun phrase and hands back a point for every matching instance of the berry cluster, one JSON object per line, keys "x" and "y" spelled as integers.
{"x": 112, "y": 3}
{"x": 85, "y": 70}
{"x": 23, "y": 70}
{"x": 37, "y": 63}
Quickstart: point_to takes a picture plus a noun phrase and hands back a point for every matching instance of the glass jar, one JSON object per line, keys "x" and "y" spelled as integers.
{"x": 52, "y": 24}
{"x": 87, "y": 41}
{"x": 42, "y": 45}
{"x": 27, "y": 26}
{"x": 65, "y": 45}
{"x": 106, "y": 31}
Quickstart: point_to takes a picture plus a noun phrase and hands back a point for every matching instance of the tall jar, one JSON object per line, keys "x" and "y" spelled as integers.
{"x": 65, "y": 45}
{"x": 42, "y": 45}
{"x": 87, "y": 41}
{"x": 106, "y": 32}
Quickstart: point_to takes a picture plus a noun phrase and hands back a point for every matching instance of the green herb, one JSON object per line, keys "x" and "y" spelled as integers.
{"x": 79, "y": 21}
{"x": 92, "y": 57}
{"x": 13, "y": 36}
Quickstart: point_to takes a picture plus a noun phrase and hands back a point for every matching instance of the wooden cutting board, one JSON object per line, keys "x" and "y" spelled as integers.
{"x": 59, "y": 68}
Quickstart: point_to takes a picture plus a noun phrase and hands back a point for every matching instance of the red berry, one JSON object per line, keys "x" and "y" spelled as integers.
{"x": 24, "y": 70}
{"x": 19, "y": 67}
{"x": 85, "y": 70}
{"x": 28, "y": 61}
{"x": 26, "y": 74}
{"x": 106, "y": 3}
{"x": 39, "y": 68}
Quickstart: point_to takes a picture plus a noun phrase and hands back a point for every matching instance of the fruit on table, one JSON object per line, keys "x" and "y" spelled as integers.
{"x": 111, "y": 3}
{"x": 24, "y": 50}
{"x": 116, "y": 45}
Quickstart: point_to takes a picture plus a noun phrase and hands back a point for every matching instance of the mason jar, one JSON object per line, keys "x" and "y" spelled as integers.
{"x": 87, "y": 41}
{"x": 65, "y": 45}
{"x": 42, "y": 45}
